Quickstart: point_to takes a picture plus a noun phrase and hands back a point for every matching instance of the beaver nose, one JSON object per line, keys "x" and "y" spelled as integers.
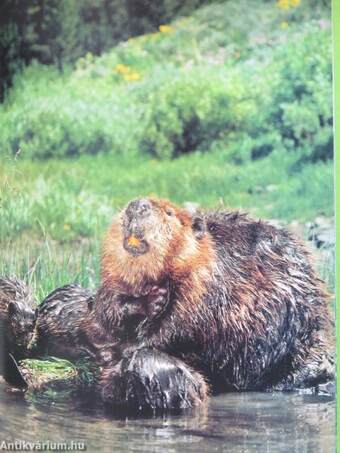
{"x": 139, "y": 208}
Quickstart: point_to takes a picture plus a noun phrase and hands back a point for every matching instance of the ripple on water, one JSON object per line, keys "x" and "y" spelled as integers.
{"x": 247, "y": 422}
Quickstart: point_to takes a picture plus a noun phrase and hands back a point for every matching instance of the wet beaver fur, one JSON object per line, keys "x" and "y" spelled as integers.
{"x": 48, "y": 329}
{"x": 134, "y": 379}
{"x": 149, "y": 380}
{"x": 243, "y": 305}
{"x": 58, "y": 319}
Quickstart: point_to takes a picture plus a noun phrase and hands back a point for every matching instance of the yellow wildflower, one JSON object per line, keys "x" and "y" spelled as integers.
{"x": 132, "y": 76}
{"x": 286, "y": 4}
{"x": 283, "y": 4}
{"x": 67, "y": 227}
{"x": 166, "y": 29}
{"x": 122, "y": 69}
{"x": 284, "y": 25}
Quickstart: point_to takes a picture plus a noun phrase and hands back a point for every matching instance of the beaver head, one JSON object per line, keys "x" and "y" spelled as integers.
{"x": 21, "y": 320}
{"x": 150, "y": 226}
{"x": 149, "y": 240}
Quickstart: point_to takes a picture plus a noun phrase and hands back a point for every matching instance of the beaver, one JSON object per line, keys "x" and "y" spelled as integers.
{"x": 18, "y": 312}
{"x": 57, "y": 329}
{"x": 240, "y": 301}
{"x": 17, "y": 320}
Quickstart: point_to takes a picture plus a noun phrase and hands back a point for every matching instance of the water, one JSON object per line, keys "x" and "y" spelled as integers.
{"x": 248, "y": 422}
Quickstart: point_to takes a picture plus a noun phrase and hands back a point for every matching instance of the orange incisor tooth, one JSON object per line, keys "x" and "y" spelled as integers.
{"x": 135, "y": 242}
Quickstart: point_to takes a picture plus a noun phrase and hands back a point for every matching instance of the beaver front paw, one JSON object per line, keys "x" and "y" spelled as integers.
{"x": 157, "y": 301}
{"x": 151, "y": 381}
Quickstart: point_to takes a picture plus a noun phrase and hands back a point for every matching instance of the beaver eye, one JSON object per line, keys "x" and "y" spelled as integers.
{"x": 199, "y": 227}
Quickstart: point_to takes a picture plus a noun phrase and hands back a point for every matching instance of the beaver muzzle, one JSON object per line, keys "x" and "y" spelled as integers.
{"x": 135, "y": 245}
{"x": 136, "y": 214}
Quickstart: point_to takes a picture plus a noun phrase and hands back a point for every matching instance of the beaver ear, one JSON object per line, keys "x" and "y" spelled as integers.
{"x": 198, "y": 227}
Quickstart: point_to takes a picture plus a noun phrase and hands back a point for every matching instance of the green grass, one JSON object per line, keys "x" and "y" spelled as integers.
{"x": 54, "y": 213}
{"x": 56, "y": 379}
{"x": 75, "y": 199}
{"x": 53, "y": 368}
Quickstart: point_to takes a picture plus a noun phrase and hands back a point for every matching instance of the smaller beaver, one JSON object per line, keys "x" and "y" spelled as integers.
{"x": 57, "y": 327}
{"x": 128, "y": 378}
{"x": 17, "y": 316}
{"x": 17, "y": 320}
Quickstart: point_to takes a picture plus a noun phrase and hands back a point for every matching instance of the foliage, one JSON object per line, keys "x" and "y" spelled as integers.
{"x": 53, "y": 368}
{"x": 201, "y": 83}
{"x": 297, "y": 103}
{"x": 191, "y": 112}
{"x": 28, "y": 30}
{"x": 51, "y": 116}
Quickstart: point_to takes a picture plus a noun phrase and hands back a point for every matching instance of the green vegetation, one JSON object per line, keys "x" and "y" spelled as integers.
{"x": 60, "y": 31}
{"x": 221, "y": 107}
{"x": 53, "y": 368}
{"x": 55, "y": 378}
{"x": 200, "y": 83}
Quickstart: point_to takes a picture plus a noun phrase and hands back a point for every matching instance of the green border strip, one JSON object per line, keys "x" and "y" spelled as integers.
{"x": 336, "y": 107}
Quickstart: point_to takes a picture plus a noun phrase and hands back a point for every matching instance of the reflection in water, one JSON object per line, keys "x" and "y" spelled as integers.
{"x": 248, "y": 422}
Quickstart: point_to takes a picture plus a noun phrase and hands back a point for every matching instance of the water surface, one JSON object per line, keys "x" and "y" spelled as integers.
{"x": 248, "y": 422}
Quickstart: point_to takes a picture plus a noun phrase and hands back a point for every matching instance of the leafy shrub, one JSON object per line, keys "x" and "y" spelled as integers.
{"x": 295, "y": 96}
{"x": 59, "y": 117}
{"x": 190, "y": 112}
{"x": 55, "y": 131}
